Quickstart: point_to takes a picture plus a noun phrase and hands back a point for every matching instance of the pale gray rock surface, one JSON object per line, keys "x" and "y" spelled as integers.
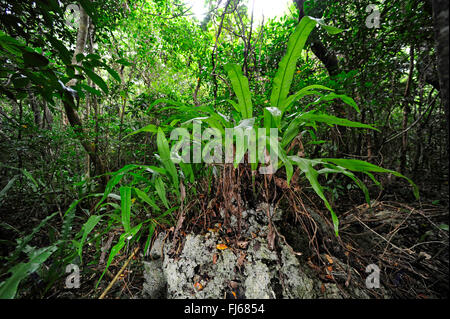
{"x": 253, "y": 272}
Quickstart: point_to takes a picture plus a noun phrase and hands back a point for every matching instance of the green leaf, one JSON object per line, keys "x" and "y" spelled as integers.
{"x": 164, "y": 153}
{"x": 362, "y": 166}
{"x": 124, "y": 62}
{"x": 31, "y": 178}
{"x": 308, "y": 90}
{"x": 96, "y": 79}
{"x": 34, "y": 59}
{"x": 333, "y": 120}
{"x": 117, "y": 247}
{"x": 8, "y": 289}
{"x": 114, "y": 74}
{"x": 93, "y": 56}
{"x": 8, "y": 186}
{"x": 149, "y": 128}
{"x": 281, "y": 153}
{"x": 116, "y": 178}
{"x": 125, "y": 205}
{"x": 330, "y": 29}
{"x": 346, "y": 99}
{"x": 167, "y": 212}
{"x": 91, "y": 90}
{"x": 87, "y": 228}
{"x": 241, "y": 89}
{"x": 19, "y": 249}
{"x": 283, "y": 78}
{"x": 235, "y": 105}
{"x": 151, "y": 230}
{"x": 64, "y": 54}
{"x": 338, "y": 169}
{"x": 143, "y": 196}
{"x": 272, "y": 117}
{"x": 11, "y": 44}
{"x": 161, "y": 191}
{"x": 306, "y": 166}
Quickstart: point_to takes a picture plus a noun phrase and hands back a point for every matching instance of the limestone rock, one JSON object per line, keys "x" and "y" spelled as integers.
{"x": 200, "y": 270}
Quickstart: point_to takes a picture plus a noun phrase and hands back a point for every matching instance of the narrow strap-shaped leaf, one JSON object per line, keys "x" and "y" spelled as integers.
{"x": 113, "y": 73}
{"x": 117, "y": 247}
{"x": 310, "y": 117}
{"x": 346, "y": 99}
{"x": 161, "y": 190}
{"x": 283, "y": 78}
{"x": 87, "y": 228}
{"x": 143, "y": 196}
{"x": 338, "y": 169}
{"x": 306, "y": 166}
{"x": 149, "y": 128}
{"x": 117, "y": 176}
{"x": 365, "y": 167}
{"x": 8, "y": 289}
{"x": 151, "y": 230}
{"x": 272, "y": 117}
{"x": 96, "y": 79}
{"x": 125, "y": 205}
{"x": 241, "y": 89}
{"x": 164, "y": 153}
{"x": 303, "y": 92}
{"x": 333, "y": 120}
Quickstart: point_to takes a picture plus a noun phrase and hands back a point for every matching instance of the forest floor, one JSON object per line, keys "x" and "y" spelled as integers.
{"x": 408, "y": 240}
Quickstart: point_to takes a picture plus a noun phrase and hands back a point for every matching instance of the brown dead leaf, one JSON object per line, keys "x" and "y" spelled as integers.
{"x": 281, "y": 183}
{"x": 330, "y": 260}
{"x": 233, "y": 284}
{"x": 182, "y": 192}
{"x": 241, "y": 259}
{"x": 242, "y": 244}
{"x": 214, "y": 259}
{"x": 271, "y": 239}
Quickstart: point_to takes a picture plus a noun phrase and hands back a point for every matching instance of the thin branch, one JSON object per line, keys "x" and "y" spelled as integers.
{"x": 102, "y": 296}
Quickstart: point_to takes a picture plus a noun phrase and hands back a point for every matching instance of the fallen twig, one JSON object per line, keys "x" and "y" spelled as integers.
{"x": 118, "y": 274}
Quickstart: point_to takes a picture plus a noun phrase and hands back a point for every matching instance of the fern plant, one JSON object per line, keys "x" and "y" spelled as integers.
{"x": 159, "y": 189}
{"x": 288, "y": 123}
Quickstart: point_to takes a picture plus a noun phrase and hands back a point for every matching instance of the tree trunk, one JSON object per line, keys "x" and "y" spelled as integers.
{"x": 36, "y": 111}
{"x": 328, "y": 58}
{"x": 441, "y": 32}
{"x": 406, "y": 112}
{"x": 69, "y": 104}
